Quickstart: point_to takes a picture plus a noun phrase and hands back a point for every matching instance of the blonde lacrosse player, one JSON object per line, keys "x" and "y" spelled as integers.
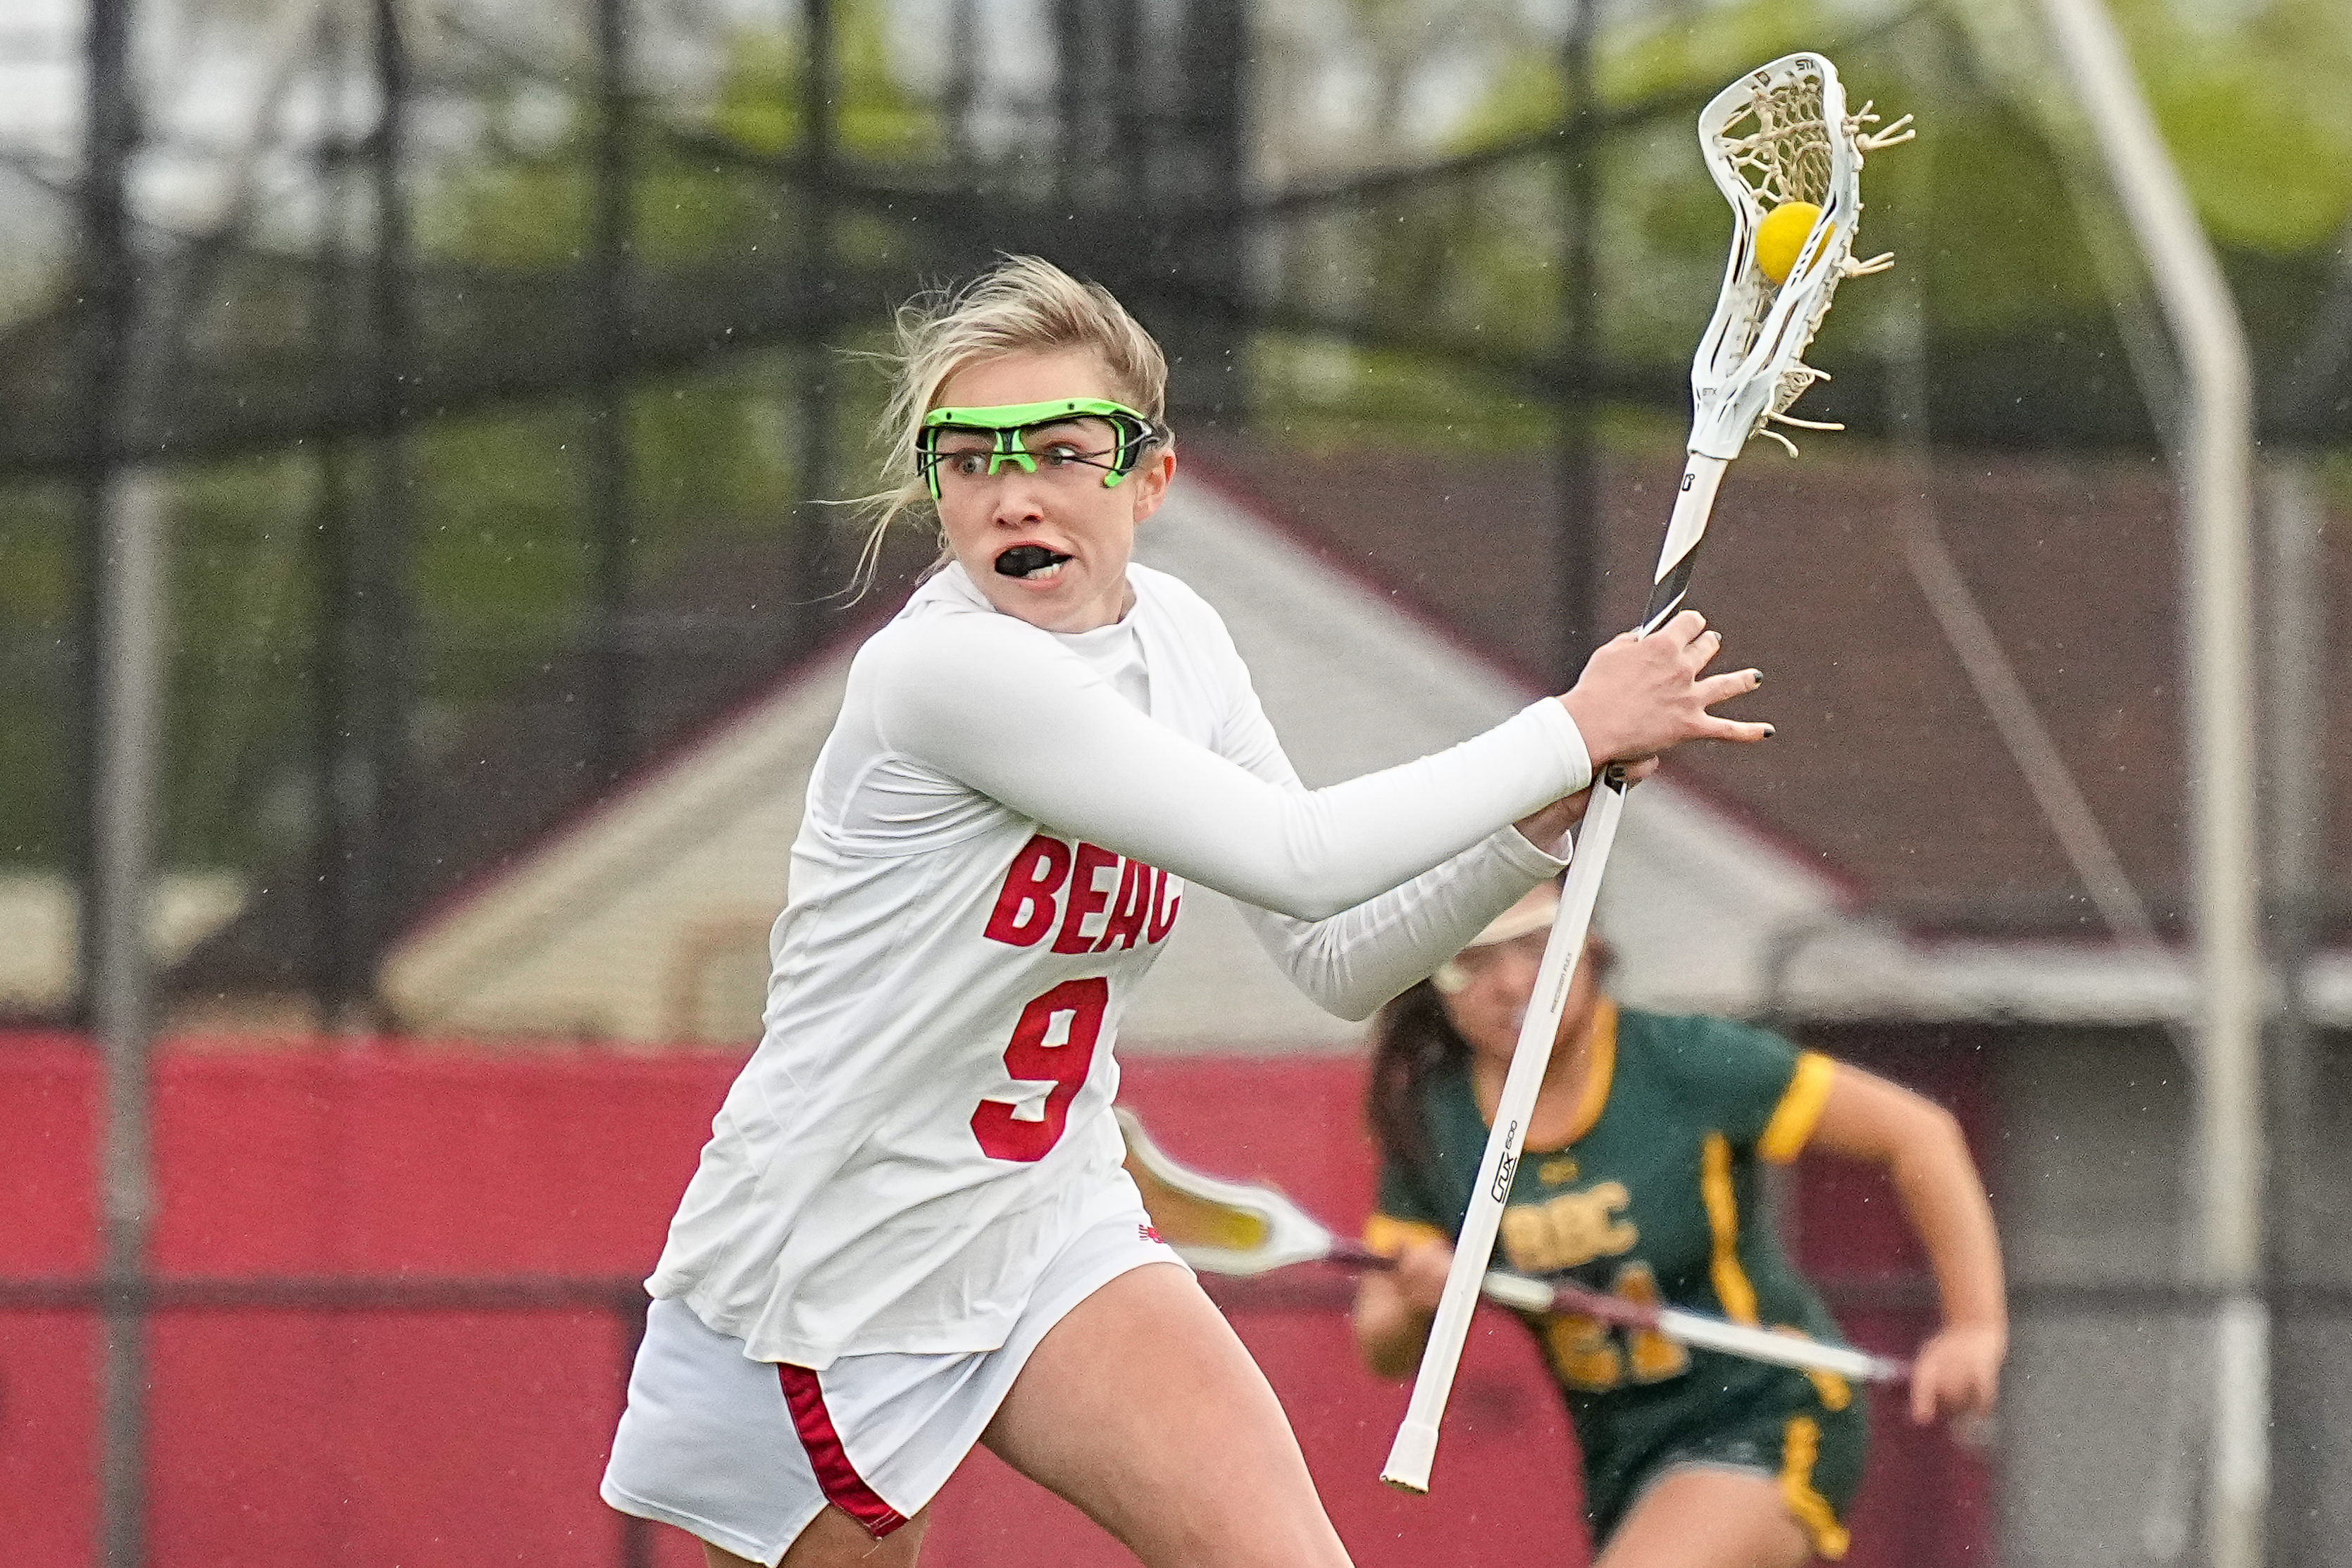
{"x": 910, "y": 1231}
{"x": 1642, "y": 1177}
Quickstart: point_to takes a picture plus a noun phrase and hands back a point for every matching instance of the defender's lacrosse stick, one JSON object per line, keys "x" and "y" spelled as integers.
{"x": 1228, "y": 1228}
{"x": 1779, "y": 136}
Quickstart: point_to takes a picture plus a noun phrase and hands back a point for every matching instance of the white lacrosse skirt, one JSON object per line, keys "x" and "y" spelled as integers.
{"x": 744, "y": 1453}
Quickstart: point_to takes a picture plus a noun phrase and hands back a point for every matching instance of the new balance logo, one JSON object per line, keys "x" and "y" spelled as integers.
{"x": 1149, "y": 1232}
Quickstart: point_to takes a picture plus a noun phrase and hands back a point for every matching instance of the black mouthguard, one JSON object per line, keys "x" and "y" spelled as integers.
{"x": 1024, "y": 559}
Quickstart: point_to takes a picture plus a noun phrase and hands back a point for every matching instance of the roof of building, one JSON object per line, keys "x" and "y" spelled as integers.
{"x": 1887, "y": 772}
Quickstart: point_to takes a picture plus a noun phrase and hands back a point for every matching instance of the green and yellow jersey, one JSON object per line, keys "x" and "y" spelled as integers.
{"x": 1656, "y": 1195}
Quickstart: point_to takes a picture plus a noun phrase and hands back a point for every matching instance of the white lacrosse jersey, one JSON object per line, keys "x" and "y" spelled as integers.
{"x": 999, "y": 831}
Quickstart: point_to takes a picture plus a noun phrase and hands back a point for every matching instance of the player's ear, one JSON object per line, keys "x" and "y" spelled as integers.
{"x": 1151, "y": 479}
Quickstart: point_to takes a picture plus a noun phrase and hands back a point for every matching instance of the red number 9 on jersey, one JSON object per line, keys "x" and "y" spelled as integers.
{"x": 1052, "y": 1043}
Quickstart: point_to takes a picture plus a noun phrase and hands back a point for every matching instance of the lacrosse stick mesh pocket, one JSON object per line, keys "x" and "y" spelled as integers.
{"x": 1784, "y": 154}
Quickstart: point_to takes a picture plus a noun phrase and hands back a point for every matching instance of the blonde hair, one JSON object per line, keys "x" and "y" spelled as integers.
{"x": 1025, "y": 304}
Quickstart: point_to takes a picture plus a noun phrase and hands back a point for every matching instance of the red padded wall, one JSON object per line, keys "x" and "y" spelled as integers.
{"x": 367, "y": 1435}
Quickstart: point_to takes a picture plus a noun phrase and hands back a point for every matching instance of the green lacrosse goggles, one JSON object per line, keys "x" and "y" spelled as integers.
{"x": 1005, "y": 424}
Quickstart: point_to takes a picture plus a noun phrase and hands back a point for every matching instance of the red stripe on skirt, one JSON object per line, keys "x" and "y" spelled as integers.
{"x": 843, "y": 1486}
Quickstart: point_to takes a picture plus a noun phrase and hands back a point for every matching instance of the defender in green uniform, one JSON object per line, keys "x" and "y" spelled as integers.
{"x": 1642, "y": 1176}
{"x": 1645, "y": 1197}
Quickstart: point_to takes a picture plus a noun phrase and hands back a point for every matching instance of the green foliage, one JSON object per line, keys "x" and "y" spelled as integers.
{"x": 1979, "y": 205}
{"x": 497, "y": 511}
{"x": 1981, "y": 210}
{"x": 503, "y": 558}
{"x": 502, "y": 563}
{"x": 532, "y": 208}
{"x": 1479, "y": 261}
{"x": 715, "y": 450}
{"x": 1322, "y": 396}
{"x": 245, "y": 627}
{"x": 2335, "y": 488}
{"x": 760, "y": 104}
{"x": 2257, "y": 113}
{"x": 36, "y": 569}
{"x": 238, "y": 629}
{"x": 1661, "y": 53}
{"x": 37, "y": 702}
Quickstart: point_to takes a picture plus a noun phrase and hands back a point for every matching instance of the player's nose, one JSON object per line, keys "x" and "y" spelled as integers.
{"x": 1018, "y": 504}
{"x": 1521, "y": 974}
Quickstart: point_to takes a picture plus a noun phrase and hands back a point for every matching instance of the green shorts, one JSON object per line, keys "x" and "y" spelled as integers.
{"x": 1811, "y": 1445}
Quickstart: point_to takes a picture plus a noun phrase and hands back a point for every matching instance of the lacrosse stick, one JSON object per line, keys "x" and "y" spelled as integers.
{"x": 1780, "y": 134}
{"x": 1228, "y": 1228}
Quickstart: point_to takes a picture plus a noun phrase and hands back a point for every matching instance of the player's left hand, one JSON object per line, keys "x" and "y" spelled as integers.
{"x": 1957, "y": 1374}
{"x": 1420, "y": 1271}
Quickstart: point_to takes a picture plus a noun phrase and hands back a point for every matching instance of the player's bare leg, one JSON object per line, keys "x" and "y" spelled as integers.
{"x": 1142, "y": 1408}
{"x": 832, "y": 1538}
{"x": 1701, "y": 1518}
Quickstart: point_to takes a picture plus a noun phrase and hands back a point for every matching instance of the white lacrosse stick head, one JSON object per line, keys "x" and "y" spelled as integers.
{"x": 1778, "y": 134}
{"x": 1219, "y": 1226}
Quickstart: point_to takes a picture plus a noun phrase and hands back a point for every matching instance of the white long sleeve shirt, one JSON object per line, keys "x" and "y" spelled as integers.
{"x": 999, "y": 832}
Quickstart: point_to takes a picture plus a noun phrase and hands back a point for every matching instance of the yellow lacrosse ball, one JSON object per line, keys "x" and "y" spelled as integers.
{"x": 1781, "y": 237}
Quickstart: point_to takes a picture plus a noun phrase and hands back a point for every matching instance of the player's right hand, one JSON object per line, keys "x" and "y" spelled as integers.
{"x": 1957, "y": 1374}
{"x": 1642, "y": 695}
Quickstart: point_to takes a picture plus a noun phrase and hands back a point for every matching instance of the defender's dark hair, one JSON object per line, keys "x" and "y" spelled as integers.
{"x": 1412, "y": 1042}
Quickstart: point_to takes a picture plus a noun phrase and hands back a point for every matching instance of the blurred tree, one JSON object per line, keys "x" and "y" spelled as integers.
{"x": 1992, "y": 207}
{"x": 2258, "y": 112}
{"x": 499, "y": 566}
{"x": 1986, "y": 208}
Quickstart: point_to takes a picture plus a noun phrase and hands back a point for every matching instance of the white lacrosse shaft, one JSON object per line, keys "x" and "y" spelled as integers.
{"x": 1696, "y": 1328}
{"x": 1782, "y": 1350}
{"x": 1415, "y": 1449}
